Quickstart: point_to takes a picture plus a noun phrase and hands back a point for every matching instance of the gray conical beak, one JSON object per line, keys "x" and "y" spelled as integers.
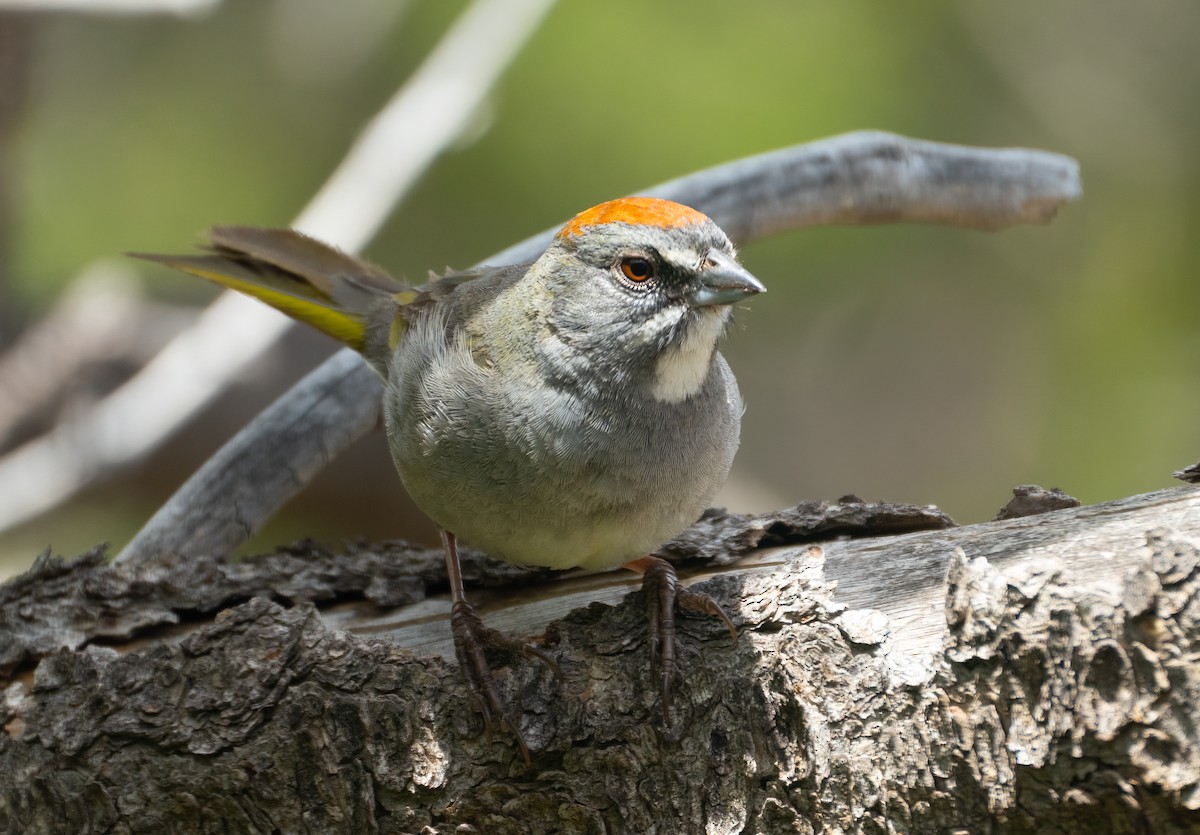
{"x": 723, "y": 281}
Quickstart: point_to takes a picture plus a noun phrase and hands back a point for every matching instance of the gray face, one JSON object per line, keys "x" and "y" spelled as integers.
{"x": 649, "y": 290}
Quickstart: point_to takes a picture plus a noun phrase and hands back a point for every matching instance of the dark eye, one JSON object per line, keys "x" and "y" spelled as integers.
{"x": 637, "y": 269}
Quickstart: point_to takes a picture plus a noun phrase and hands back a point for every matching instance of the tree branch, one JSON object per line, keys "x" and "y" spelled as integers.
{"x": 1028, "y": 675}
{"x": 69, "y": 604}
{"x": 182, "y": 8}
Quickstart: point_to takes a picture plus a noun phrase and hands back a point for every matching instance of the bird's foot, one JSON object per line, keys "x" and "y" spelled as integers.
{"x": 471, "y": 638}
{"x": 663, "y": 595}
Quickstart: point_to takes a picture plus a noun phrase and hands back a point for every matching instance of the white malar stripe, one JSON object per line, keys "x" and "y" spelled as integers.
{"x": 682, "y": 368}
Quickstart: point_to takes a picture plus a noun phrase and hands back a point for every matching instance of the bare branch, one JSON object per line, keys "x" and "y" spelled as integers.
{"x": 113, "y": 7}
{"x": 319, "y": 417}
{"x": 860, "y": 177}
{"x": 867, "y": 177}
{"x": 70, "y": 604}
{"x": 101, "y": 317}
{"x": 424, "y": 118}
{"x": 429, "y": 113}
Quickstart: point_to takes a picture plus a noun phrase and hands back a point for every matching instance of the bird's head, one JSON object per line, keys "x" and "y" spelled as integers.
{"x": 647, "y": 283}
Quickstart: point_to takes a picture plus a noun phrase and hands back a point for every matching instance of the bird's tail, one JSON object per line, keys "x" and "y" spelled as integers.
{"x": 340, "y": 295}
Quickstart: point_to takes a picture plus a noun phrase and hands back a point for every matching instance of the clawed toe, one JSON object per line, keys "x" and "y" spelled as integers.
{"x": 471, "y": 638}
{"x": 703, "y": 604}
{"x": 663, "y": 595}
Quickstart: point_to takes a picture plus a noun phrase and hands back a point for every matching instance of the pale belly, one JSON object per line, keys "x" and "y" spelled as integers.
{"x": 593, "y": 544}
{"x": 521, "y": 503}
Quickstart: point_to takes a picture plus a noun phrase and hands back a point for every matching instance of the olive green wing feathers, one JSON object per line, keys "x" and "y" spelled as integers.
{"x": 298, "y": 275}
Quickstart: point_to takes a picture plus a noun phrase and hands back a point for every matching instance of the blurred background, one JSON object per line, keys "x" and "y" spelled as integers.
{"x": 902, "y": 363}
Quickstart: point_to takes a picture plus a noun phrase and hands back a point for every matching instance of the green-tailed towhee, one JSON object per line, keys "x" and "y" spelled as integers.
{"x": 572, "y": 411}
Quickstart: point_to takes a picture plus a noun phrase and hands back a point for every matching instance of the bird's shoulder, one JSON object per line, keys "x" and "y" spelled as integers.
{"x": 459, "y": 294}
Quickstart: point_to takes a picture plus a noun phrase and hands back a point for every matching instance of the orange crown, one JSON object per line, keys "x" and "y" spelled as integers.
{"x": 642, "y": 211}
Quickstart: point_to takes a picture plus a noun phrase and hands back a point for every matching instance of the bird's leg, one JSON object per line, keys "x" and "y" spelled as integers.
{"x": 663, "y": 594}
{"x": 470, "y": 639}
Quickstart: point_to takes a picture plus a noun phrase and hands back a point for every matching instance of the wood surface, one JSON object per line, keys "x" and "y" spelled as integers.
{"x": 1037, "y": 674}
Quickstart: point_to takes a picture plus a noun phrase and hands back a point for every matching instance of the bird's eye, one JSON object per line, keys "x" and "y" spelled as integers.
{"x": 637, "y": 269}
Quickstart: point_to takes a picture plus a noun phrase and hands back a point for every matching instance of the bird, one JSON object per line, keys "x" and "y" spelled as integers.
{"x": 571, "y": 411}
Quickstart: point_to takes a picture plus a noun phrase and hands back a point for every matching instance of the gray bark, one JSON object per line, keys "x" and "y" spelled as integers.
{"x": 1037, "y": 674}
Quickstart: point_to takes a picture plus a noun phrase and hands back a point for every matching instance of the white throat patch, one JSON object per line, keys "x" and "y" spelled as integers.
{"x": 681, "y": 370}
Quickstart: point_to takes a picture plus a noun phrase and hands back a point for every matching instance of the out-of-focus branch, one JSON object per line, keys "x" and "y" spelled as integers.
{"x": 427, "y": 114}
{"x": 102, "y": 318}
{"x": 867, "y": 177}
{"x": 113, "y": 7}
{"x": 16, "y": 50}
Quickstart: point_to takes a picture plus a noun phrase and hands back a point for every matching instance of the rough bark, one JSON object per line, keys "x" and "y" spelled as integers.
{"x": 1032, "y": 675}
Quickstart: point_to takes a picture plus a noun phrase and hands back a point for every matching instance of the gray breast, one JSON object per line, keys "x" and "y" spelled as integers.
{"x": 546, "y": 475}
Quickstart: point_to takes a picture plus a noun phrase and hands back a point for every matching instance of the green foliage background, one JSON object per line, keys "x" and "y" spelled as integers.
{"x": 913, "y": 364}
